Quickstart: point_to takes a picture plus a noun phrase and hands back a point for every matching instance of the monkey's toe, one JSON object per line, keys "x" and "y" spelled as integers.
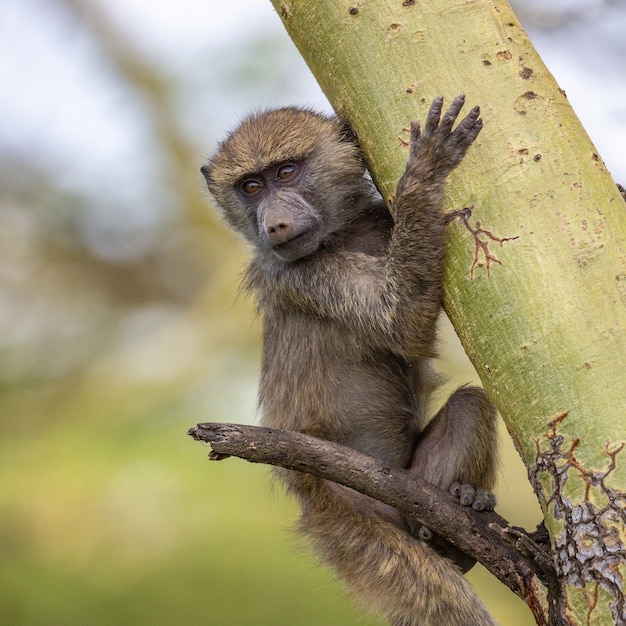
{"x": 479, "y": 499}
{"x": 425, "y": 534}
{"x": 484, "y": 500}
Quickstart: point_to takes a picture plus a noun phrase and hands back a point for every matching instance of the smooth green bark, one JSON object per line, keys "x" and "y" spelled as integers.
{"x": 546, "y": 329}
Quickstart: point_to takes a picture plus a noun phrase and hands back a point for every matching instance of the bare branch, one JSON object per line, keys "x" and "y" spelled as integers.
{"x": 509, "y": 553}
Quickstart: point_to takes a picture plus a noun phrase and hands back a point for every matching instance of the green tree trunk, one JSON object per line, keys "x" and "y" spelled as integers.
{"x": 546, "y": 328}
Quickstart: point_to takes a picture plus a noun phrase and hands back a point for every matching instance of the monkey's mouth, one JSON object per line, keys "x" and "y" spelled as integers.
{"x": 300, "y": 246}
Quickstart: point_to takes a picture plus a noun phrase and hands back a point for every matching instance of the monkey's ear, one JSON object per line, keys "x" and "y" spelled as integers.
{"x": 347, "y": 133}
{"x": 206, "y": 172}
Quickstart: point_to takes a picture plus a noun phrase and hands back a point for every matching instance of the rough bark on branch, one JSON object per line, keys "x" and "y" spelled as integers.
{"x": 508, "y": 553}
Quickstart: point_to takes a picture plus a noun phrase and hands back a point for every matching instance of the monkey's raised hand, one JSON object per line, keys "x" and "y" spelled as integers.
{"x": 441, "y": 147}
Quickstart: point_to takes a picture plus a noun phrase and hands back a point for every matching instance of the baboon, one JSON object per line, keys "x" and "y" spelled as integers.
{"x": 350, "y": 292}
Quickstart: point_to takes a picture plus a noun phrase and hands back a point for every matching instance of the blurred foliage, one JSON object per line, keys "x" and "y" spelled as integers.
{"x": 121, "y": 326}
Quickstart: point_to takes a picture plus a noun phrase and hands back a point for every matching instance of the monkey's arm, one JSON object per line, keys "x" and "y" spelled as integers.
{"x": 417, "y": 247}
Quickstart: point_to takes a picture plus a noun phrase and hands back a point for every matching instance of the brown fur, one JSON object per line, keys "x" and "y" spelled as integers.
{"x": 349, "y": 310}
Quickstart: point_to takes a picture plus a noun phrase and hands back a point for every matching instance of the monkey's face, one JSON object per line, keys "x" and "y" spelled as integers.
{"x": 290, "y": 181}
{"x": 285, "y": 220}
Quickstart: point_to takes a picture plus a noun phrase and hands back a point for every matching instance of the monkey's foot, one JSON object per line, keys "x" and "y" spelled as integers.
{"x": 468, "y": 495}
{"x": 479, "y": 499}
{"x": 463, "y": 561}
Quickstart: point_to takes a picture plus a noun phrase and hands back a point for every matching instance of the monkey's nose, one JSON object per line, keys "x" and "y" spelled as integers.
{"x": 279, "y": 227}
{"x": 274, "y": 229}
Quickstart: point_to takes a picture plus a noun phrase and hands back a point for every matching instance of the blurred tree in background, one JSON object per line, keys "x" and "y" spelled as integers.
{"x": 121, "y": 324}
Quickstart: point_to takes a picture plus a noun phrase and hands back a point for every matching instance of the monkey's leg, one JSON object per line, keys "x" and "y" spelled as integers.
{"x": 382, "y": 564}
{"x": 459, "y": 444}
{"x": 457, "y": 451}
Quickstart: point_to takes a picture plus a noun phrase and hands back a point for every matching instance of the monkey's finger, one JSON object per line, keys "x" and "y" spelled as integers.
{"x": 470, "y": 122}
{"x": 416, "y": 133}
{"x": 465, "y": 134}
{"x": 467, "y": 131}
{"x": 470, "y": 119}
{"x": 434, "y": 115}
{"x": 452, "y": 113}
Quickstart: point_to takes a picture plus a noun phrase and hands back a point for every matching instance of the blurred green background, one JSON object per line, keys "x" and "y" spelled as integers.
{"x": 121, "y": 325}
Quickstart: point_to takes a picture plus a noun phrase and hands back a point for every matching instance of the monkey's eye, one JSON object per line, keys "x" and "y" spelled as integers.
{"x": 250, "y": 186}
{"x": 286, "y": 171}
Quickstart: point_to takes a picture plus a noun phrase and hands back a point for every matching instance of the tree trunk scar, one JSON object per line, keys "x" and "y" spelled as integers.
{"x": 480, "y": 245}
{"x": 589, "y": 549}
